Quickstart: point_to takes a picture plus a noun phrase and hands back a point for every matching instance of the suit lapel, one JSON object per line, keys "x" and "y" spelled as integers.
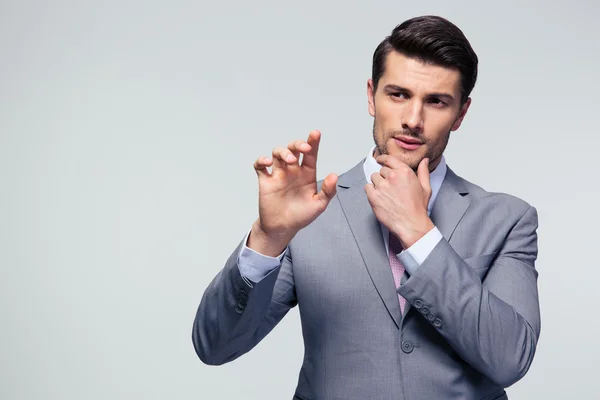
{"x": 450, "y": 205}
{"x": 367, "y": 233}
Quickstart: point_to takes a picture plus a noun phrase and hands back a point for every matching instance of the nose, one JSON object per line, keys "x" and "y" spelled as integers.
{"x": 413, "y": 116}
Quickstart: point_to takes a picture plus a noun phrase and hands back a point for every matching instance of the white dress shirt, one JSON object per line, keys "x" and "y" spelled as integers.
{"x": 255, "y": 266}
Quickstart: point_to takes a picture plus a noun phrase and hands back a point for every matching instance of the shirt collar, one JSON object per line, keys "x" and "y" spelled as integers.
{"x": 436, "y": 177}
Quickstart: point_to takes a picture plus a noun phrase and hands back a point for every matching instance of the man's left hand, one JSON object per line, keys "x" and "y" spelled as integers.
{"x": 399, "y": 198}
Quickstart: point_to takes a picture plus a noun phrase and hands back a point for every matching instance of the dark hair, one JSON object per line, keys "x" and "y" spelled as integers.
{"x": 430, "y": 39}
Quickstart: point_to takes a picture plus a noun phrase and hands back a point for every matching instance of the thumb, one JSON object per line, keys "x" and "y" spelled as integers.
{"x": 328, "y": 188}
{"x": 423, "y": 175}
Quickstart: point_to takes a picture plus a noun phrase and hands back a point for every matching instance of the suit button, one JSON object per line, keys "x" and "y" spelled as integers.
{"x": 418, "y": 304}
{"x": 242, "y": 301}
{"x": 425, "y": 310}
{"x": 407, "y": 346}
{"x": 437, "y": 323}
{"x": 239, "y": 308}
{"x": 431, "y": 317}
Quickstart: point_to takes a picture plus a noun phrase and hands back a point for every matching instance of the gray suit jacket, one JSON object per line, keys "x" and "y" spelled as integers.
{"x": 472, "y": 319}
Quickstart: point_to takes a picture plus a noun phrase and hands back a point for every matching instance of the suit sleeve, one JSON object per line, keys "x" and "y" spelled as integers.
{"x": 494, "y": 323}
{"x": 255, "y": 266}
{"x": 234, "y": 316}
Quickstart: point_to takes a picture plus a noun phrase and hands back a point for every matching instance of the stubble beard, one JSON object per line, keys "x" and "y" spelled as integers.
{"x": 433, "y": 153}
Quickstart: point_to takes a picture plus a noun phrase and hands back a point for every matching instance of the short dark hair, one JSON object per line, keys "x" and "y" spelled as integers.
{"x": 434, "y": 40}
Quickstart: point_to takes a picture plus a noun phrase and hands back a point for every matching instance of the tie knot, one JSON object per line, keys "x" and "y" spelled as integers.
{"x": 395, "y": 244}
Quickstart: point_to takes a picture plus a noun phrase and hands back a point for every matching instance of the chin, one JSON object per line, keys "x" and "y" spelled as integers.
{"x": 412, "y": 160}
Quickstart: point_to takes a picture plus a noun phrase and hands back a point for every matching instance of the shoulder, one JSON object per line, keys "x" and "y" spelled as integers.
{"x": 498, "y": 203}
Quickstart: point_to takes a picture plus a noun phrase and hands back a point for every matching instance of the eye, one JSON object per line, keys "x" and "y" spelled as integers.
{"x": 397, "y": 95}
{"x": 437, "y": 102}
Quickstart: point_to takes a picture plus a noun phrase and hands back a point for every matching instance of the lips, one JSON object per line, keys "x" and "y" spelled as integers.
{"x": 409, "y": 140}
{"x": 408, "y": 143}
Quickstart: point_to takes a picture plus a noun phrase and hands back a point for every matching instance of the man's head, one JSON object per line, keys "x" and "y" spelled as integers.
{"x": 423, "y": 74}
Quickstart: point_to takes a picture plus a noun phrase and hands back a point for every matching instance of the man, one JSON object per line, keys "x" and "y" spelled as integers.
{"x": 412, "y": 282}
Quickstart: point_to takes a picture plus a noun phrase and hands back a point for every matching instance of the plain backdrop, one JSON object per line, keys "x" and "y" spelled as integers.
{"x": 128, "y": 130}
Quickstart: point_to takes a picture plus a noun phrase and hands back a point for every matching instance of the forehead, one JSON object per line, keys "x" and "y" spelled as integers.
{"x": 418, "y": 76}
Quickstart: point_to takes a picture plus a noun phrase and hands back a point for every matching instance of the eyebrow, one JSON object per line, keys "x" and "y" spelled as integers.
{"x": 396, "y": 88}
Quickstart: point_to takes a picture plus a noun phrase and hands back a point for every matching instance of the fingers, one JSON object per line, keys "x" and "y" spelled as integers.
{"x": 261, "y": 164}
{"x": 328, "y": 188}
{"x": 377, "y": 179}
{"x": 283, "y": 157}
{"x": 298, "y": 147}
{"x": 310, "y": 158}
{"x": 390, "y": 161}
{"x": 393, "y": 163}
{"x": 291, "y": 154}
{"x": 385, "y": 172}
{"x": 423, "y": 175}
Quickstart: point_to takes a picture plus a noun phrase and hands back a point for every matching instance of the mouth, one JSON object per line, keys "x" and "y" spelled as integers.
{"x": 408, "y": 143}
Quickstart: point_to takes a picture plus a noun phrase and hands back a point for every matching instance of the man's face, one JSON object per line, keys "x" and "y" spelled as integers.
{"x": 415, "y": 108}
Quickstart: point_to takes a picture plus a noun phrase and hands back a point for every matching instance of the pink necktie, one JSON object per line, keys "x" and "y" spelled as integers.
{"x": 395, "y": 247}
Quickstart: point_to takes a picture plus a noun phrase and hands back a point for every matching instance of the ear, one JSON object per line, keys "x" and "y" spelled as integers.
{"x": 461, "y": 115}
{"x": 371, "y": 97}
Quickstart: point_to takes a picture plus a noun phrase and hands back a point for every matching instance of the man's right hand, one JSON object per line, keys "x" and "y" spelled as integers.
{"x": 288, "y": 199}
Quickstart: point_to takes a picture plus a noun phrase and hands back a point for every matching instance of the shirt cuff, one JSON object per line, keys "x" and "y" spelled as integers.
{"x": 253, "y": 265}
{"x": 416, "y": 254}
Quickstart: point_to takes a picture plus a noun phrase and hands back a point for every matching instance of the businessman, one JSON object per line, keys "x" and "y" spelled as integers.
{"x": 412, "y": 283}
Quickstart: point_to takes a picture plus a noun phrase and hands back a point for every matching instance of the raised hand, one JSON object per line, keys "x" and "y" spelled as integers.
{"x": 288, "y": 198}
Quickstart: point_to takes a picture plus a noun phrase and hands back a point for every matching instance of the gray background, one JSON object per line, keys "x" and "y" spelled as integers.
{"x": 128, "y": 130}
